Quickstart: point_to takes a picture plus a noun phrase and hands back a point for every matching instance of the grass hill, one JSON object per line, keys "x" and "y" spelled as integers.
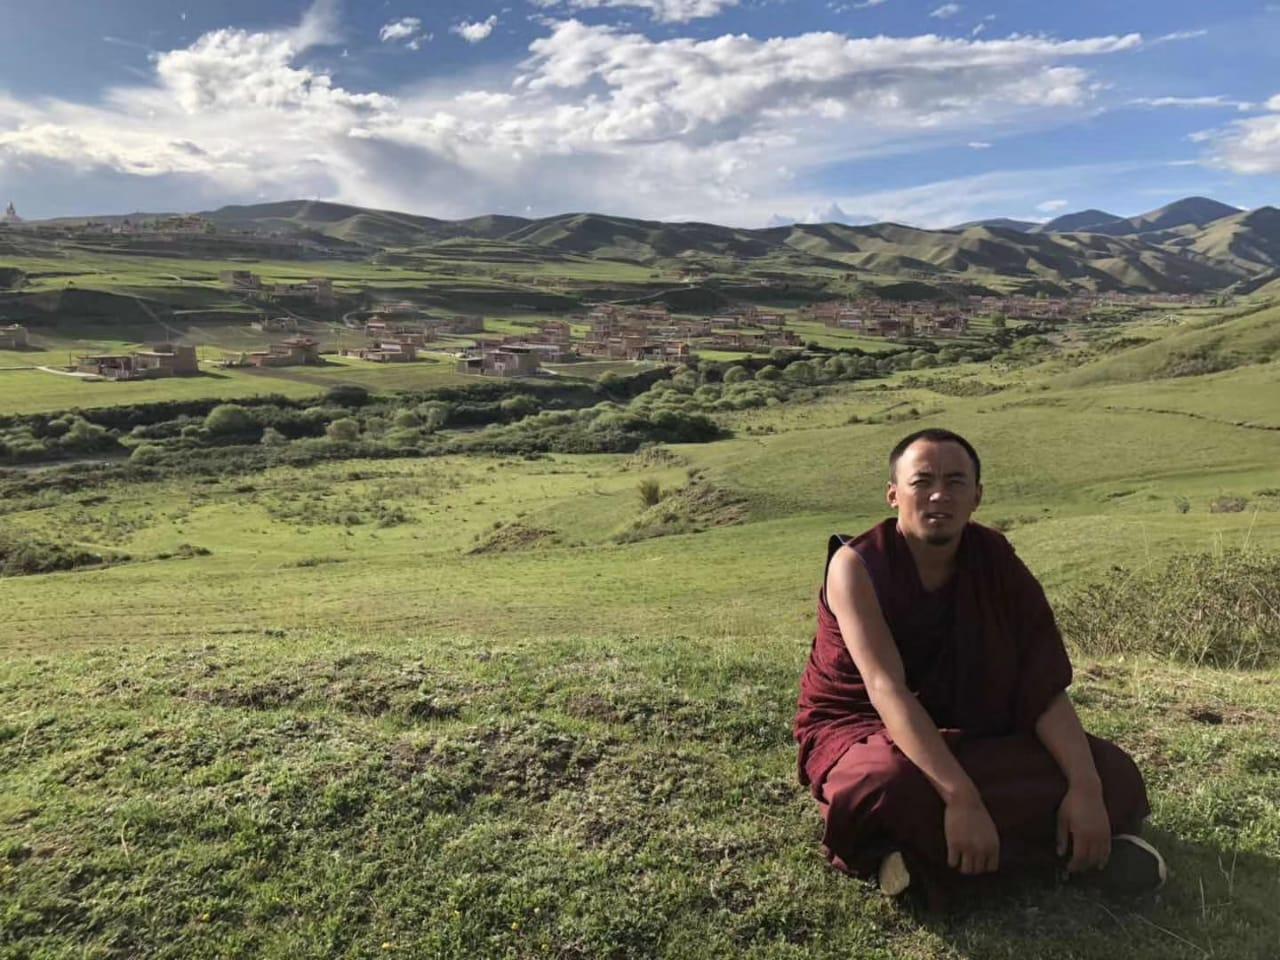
{"x": 301, "y": 721}
{"x": 1249, "y": 239}
{"x": 1197, "y": 347}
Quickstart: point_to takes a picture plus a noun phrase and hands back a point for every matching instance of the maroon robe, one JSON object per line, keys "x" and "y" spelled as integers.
{"x": 984, "y": 657}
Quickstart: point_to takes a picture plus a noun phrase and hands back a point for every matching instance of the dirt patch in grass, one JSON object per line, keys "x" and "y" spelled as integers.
{"x": 352, "y": 686}
{"x": 524, "y": 758}
{"x": 511, "y": 536}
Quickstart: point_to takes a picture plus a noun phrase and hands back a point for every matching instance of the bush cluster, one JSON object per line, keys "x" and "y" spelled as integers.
{"x": 1202, "y": 609}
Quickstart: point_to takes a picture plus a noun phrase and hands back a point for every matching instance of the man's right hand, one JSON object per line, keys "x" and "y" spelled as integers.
{"x": 973, "y": 846}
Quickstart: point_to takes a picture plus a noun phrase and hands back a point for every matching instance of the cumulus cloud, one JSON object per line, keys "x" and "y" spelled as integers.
{"x": 1052, "y": 206}
{"x": 946, "y": 11}
{"x": 718, "y": 129}
{"x": 474, "y": 32}
{"x": 664, "y": 11}
{"x": 833, "y": 213}
{"x": 1249, "y": 146}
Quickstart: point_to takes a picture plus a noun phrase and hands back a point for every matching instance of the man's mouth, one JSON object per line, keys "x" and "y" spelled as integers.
{"x": 937, "y": 517}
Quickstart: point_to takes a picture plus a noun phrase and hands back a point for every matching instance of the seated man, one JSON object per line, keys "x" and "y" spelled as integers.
{"x": 934, "y": 725}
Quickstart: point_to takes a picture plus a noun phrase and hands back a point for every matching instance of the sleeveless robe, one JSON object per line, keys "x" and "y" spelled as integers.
{"x": 984, "y": 657}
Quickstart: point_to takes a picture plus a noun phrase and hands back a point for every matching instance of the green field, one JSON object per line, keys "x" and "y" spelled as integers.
{"x": 461, "y": 706}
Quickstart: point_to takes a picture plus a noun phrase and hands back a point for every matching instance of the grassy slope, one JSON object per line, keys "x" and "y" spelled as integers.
{"x": 326, "y": 738}
{"x": 1252, "y": 335}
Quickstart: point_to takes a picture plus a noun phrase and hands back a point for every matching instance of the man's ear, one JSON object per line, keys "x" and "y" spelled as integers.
{"x": 977, "y": 501}
{"x": 891, "y": 495}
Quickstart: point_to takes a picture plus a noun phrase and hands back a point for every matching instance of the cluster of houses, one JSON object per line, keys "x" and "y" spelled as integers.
{"x": 159, "y": 360}
{"x": 519, "y": 355}
{"x": 883, "y": 318}
{"x": 500, "y": 361}
{"x": 295, "y": 351}
{"x": 387, "y": 324}
{"x": 316, "y": 290}
{"x": 634, "y": 333}
{"x": 384, "y": 351}
{"x": 13, "y": 336}
{"x": 187, "y": 224}
{"x": 935, "y": 318}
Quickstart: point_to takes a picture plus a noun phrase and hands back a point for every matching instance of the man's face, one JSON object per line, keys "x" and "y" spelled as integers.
{"x": 933, "y": 490}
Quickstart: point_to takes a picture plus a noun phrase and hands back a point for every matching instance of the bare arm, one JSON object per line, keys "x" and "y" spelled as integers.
{"x": 1082, "y": 817}
{"x": 972, "y": 843}
{"x": 1059, "y": 730}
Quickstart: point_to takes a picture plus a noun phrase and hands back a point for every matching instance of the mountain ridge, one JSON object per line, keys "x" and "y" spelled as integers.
{"x": 1194, "y": 244}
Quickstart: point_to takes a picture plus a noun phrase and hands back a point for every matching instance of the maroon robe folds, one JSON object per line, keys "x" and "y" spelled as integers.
{"x": 985, "y": 659}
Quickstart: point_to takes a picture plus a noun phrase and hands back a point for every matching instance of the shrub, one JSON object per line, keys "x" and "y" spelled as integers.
{"x": 344, "y": 430}
{"x": 650, "y": 492}
{"x": 229, "y": 419}
{"x": 768, "y": 372}
{"x": 347, "y": 395}
{"x": 736, "y": 374}
{"x": 406, "y": 419}
{"x": 521, "y": 405}
{"x": 1221, "y": 611}
{"x": 802, "y": 371}
{"x": 146, "y": 454}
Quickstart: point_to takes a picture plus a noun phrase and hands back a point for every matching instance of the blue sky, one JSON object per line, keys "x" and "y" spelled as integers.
{"x": 744, "y": 112}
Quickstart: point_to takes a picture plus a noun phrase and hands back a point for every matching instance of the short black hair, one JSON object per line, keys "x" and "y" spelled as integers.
{"x": 936, "y": 435}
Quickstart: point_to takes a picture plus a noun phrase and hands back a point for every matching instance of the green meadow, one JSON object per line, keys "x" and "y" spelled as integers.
{"x": 503, "y": 706}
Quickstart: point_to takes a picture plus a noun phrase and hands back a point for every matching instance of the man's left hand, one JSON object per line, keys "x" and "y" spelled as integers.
{"x": 1082, "y": 819}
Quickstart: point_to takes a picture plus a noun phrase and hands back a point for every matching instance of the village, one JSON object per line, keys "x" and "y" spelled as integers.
{"x": 398, "y": 332}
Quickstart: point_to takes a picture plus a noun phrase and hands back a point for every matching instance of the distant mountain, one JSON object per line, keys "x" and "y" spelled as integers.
{"x": 1000, "y": 223}
{"x": 1191, "y": 211}
{"x": 1250, "y": 240}
{"x": 1191, "y": 245}
{"x": 1076, "y": 222}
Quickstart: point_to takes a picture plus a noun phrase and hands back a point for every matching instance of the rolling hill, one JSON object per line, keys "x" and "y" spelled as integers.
{"x": 1194, "y": 244}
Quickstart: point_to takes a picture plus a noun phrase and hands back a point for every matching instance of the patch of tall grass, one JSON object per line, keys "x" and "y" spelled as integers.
{"x": 1217, "y": 610}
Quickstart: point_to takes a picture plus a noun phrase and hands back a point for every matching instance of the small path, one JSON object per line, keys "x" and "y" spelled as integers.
{"x": 68, "y": 373}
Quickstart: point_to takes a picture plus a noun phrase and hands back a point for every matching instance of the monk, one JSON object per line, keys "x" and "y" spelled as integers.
{"x": 934, "y": 724}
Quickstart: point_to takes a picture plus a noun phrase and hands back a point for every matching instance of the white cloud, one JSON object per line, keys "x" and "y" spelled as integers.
{"x": 979, "y": 145}
{"x": 403, "y": 29}
{"x": 719, "y": 129}
{"x": 1052, "y": 206}
{"x": 1249, "y": 146}
{"x": 406, "y": 29}
{"x": 1179, "y": 35}
{"x": 946, "y": 10}
{"x": 832, "y": 213}
{"x": 477, "y": 31}
{"x": 664, "y": 11}
{"x": 1214, "y": 101}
